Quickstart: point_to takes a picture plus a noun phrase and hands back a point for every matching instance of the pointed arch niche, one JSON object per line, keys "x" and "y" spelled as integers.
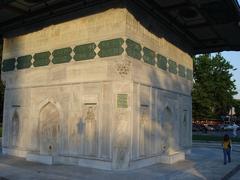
{"x": 49, "y": 128}
{"x": 167, "y": 126}
{"x": 15, "y": 129}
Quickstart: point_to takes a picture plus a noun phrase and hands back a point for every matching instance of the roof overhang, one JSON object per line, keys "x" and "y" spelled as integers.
{"x": 205, "y": 25}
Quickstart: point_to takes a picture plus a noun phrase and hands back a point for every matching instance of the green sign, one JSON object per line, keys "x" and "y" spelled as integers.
{"x": 122, "y": 101}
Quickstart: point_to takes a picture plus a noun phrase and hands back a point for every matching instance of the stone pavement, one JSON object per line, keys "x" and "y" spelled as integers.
{"x": 202, "y": 163}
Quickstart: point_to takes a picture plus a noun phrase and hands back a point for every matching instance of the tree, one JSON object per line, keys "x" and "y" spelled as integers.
{"x": 237, "y": 107}
{"x": 213, "y": 87}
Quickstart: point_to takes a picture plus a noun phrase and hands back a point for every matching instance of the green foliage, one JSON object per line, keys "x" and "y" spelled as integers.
{"x": 213, "y": 87}
{"x": 237, "y": 107}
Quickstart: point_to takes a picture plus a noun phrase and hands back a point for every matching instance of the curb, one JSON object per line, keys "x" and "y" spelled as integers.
{"x": 236, "y": 147}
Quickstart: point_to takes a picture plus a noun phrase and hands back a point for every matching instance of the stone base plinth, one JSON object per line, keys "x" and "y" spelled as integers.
{"x": 165, "y": 159}
{"x": 172, "y": 158}
{"x": 14, "y": 152}
{"x": 40, "y": 158}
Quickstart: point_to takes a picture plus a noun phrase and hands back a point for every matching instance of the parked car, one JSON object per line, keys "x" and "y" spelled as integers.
{"x": 195, "y": 127}
{"x": 229, "y": 126}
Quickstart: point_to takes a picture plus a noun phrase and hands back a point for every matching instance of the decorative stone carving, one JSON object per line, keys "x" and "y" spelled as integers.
{"x": 185, "y": 129}
{"x": 90, "y": 129}
{"x": 144, "y": 120}
{"x": 15, "y": 129}
{"x": 49, "y": 129}
{"x": 123, "y": 68}
{"x": 167, "y": 127}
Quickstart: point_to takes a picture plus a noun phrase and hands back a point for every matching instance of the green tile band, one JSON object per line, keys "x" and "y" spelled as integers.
{"x": 162, "y": 62}
{"x": 41, "y": 59}
{"x": 149, "y": 56}
{"x": 84, "y": 52}
{"x": 62, "y": 55}
{"x": 108, "y": 48}
{"x": 172, "y": 68}
{"x": 111, "y": 47}
{"x": 8, "y": 64}
{"x": 24, "y": 62}
{"x": 181, "y": 71}
{"x": 133, "y": 49}
{"x": 189, "y": 74}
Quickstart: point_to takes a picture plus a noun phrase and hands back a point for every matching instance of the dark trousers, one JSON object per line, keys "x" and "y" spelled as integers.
{"x": 227, "y": 154}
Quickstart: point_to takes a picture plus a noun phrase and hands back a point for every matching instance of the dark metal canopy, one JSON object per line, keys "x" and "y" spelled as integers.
{"x": 206, "y": 25}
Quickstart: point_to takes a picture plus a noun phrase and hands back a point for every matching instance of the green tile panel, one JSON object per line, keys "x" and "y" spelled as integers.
{"x": 162, "y": 62}
{"x": 84, "y": 52}
{"x": 62, "y": 55}
{"x": 122, "y": 101}
{"x": 41, "y": 59}
{"x": 133, "y": 49}
{"x": 189, "y": 74}
{"x": 8, "y": 64}
{"x": 24, "y": 62}
{"x": 181, "y": 71}
{"x": 111, "y": 47}
{"x": 172, "y": 66}
{"x": 149, "y": 56}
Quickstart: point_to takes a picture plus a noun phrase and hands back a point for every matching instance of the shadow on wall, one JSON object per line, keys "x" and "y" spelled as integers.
{"x": 163, "y": 128}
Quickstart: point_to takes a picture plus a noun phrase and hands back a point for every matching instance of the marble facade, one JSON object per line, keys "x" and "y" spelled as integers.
{"x": 99, "y": 91}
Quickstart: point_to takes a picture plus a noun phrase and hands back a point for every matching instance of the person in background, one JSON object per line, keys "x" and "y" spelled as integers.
{"x": 235, "y": 127}
{"x": 227, "y": 145}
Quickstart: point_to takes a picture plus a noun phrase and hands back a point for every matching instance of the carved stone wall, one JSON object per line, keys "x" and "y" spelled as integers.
{"x": 109, "y": 95}
{"x": 90, "y": 129}
{"x": 15, "y": 129}
{"x": 49, "y": 130}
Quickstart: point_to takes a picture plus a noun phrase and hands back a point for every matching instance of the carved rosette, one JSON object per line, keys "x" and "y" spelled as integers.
{"x": 123, "y": 68}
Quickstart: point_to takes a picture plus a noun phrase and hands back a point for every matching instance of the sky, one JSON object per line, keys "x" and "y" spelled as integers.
{"x": 234, "y": 58}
